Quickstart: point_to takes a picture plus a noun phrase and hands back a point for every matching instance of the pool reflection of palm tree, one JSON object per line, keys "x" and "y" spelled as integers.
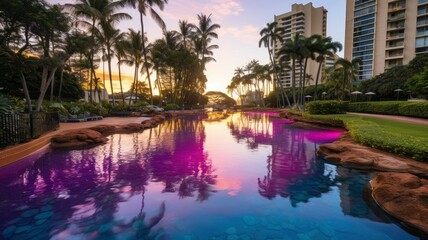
{"x": 292, "y": 169}
{"x": 180, "y": 162}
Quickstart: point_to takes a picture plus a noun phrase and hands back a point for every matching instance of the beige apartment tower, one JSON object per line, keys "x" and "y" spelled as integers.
{"x": 385, "y": 33}
{"x": 306, "y": 20}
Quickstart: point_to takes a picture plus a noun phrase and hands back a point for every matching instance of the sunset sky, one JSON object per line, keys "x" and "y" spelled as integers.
{"x": 241, "y": 22}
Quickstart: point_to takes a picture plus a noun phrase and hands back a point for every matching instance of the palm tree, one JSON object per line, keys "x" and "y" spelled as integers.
{"x": 186, "y": 32}
{"x": 270, "y": 34}
{"x": 145, "y": 6}
{"x": 308, "y": 50}
{"x": 134, "y": 54}
{"x": 291, "y": 50}
{"x": 325, "y": 48}
{"x": 94, "y": 11}
{"x": 119, "y": 53}
{"x": 205, "y": 32}
{"x": 108, "y": 35}
{"x": 350, "y": 71}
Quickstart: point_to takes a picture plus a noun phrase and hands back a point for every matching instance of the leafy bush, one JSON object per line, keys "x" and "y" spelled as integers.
{"x": 138, "y": 106}
{"x": 327, "y": 107}
{"x": 382, "y": 137}
{"x": 171, "y": 106}
{"x": 120, "y": 107}
{"x": 413, "y": 109}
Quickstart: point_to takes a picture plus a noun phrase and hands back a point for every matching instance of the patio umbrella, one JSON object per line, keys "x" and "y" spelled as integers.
{"x": 308, "y": 97}
{"x": 356, "y": 93}
{"x": 398, "y": 92}
{"x": 370, "y": 95}
{"x": 323, "y": 94}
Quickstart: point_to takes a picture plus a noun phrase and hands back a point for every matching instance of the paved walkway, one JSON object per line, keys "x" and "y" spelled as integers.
{"x": 395, "y": 118}
{"x": 16, "y": 152}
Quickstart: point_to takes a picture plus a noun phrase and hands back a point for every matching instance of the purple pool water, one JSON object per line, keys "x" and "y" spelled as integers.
{"x": 247, "y": 176}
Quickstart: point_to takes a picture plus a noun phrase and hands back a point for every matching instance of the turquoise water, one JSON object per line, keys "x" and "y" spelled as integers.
{"x": 245, "y": 176}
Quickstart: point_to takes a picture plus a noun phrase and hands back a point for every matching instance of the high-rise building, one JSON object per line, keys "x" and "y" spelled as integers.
{"x": 385, "y": 33}
{"x": 307, "y": 21}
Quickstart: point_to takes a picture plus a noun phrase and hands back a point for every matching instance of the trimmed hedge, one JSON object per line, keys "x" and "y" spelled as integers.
{"x": 371, "y": 134}
{"x": 171, "y": 106}
{"x": 327, "y": 107}
{"x": 411, "y": 109}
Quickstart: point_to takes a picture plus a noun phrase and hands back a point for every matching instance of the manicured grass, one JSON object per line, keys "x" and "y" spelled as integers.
{"x": 405, "y": 139}
{"x": 416, "y": 130}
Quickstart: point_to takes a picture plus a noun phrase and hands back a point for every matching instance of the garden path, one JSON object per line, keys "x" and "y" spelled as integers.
{"x": 412, "y": 120}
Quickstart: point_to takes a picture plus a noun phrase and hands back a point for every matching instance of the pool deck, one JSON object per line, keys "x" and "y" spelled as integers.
{"x": 13, "y": 153}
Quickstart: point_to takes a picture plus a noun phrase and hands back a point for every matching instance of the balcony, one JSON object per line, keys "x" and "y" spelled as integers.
{"x": 395, "y": 46}
{"x": 394, "y": 56}
{"x": 396, "y": 27}
{"x": 420, "y": 2}
{"x": 397, "y": 18}
{"x": 395, "y": 36}
{"x": 397, "y": 8}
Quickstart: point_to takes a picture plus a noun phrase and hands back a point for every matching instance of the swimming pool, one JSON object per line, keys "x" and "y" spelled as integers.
{"x": 245, "y": 176}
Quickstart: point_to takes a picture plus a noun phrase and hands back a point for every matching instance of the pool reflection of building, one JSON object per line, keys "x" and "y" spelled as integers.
{"x": 292, "y": 169}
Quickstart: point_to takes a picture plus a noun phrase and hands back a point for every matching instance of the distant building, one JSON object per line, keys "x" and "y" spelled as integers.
{"x": 102, "y": 94}
{"x": 306, "y": 20}
{"x": 385, "y": 33}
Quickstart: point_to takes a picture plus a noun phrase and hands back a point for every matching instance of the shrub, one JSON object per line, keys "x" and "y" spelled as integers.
{"x": 327, "y": 107}
{"x": 138, "y": 106}
{"x": 416, "y": 109}
{"x": 171, "y": 106}
{"x": 412, "y": 109}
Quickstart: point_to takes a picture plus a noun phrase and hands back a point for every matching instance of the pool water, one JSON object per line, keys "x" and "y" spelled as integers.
{"x": 243, "y": 176}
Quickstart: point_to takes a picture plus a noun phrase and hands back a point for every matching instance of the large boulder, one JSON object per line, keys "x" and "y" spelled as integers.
{"x": 77, "y": 138}
{"x": 404, "y": 196}
{"x": 348, "y": 153}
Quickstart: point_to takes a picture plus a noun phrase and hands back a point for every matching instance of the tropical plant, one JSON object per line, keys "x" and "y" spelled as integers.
{"x": 350, "y": 71}
{"x": 325, "y": 48}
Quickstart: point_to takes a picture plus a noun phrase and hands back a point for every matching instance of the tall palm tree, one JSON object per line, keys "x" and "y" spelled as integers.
{"x": 107, "y": 36}
{"x": 308, "y": 50}
{"x": 350, "y": 71}
{"x": 186, "y": 32}
{"x": 269, "y": 35}
{"x": 92, "y": 12}
{"x": 325, "y": 48}
{"x": 205, "y": 32}
{"x": 119, "y": 53}
{"x": 145, "y": 6}
{"x": 291, "y": 50}
{"x": 134, "y": 54}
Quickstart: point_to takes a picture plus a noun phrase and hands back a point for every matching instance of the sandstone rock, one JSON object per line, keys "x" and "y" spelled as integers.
{"x": 104, "y": 129}
{"x": 78, "y": 138}
{"x": 350, "y": 154}
{"x": 404, "y": 196}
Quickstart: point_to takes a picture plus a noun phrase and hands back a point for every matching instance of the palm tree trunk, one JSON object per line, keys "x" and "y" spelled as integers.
{"x": 25, "y": 89}
{"x": 145, "y": 58}
{"x": 61, "y": 79}
{"x": 277, "y": 78}
{"x": 109, "y": 73}
{"x": 293, "y": 79}
{"x": 304, "y": 82}
{"x": 120, "y": 82}
{"x": 316, "y": 81}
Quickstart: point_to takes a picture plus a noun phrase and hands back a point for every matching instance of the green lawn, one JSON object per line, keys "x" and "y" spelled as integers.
{"x": 416, "y": 130}
{"x": 406, "y": 139}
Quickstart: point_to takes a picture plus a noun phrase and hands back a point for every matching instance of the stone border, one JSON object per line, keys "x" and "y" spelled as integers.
{"x": 93, "y": 136}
